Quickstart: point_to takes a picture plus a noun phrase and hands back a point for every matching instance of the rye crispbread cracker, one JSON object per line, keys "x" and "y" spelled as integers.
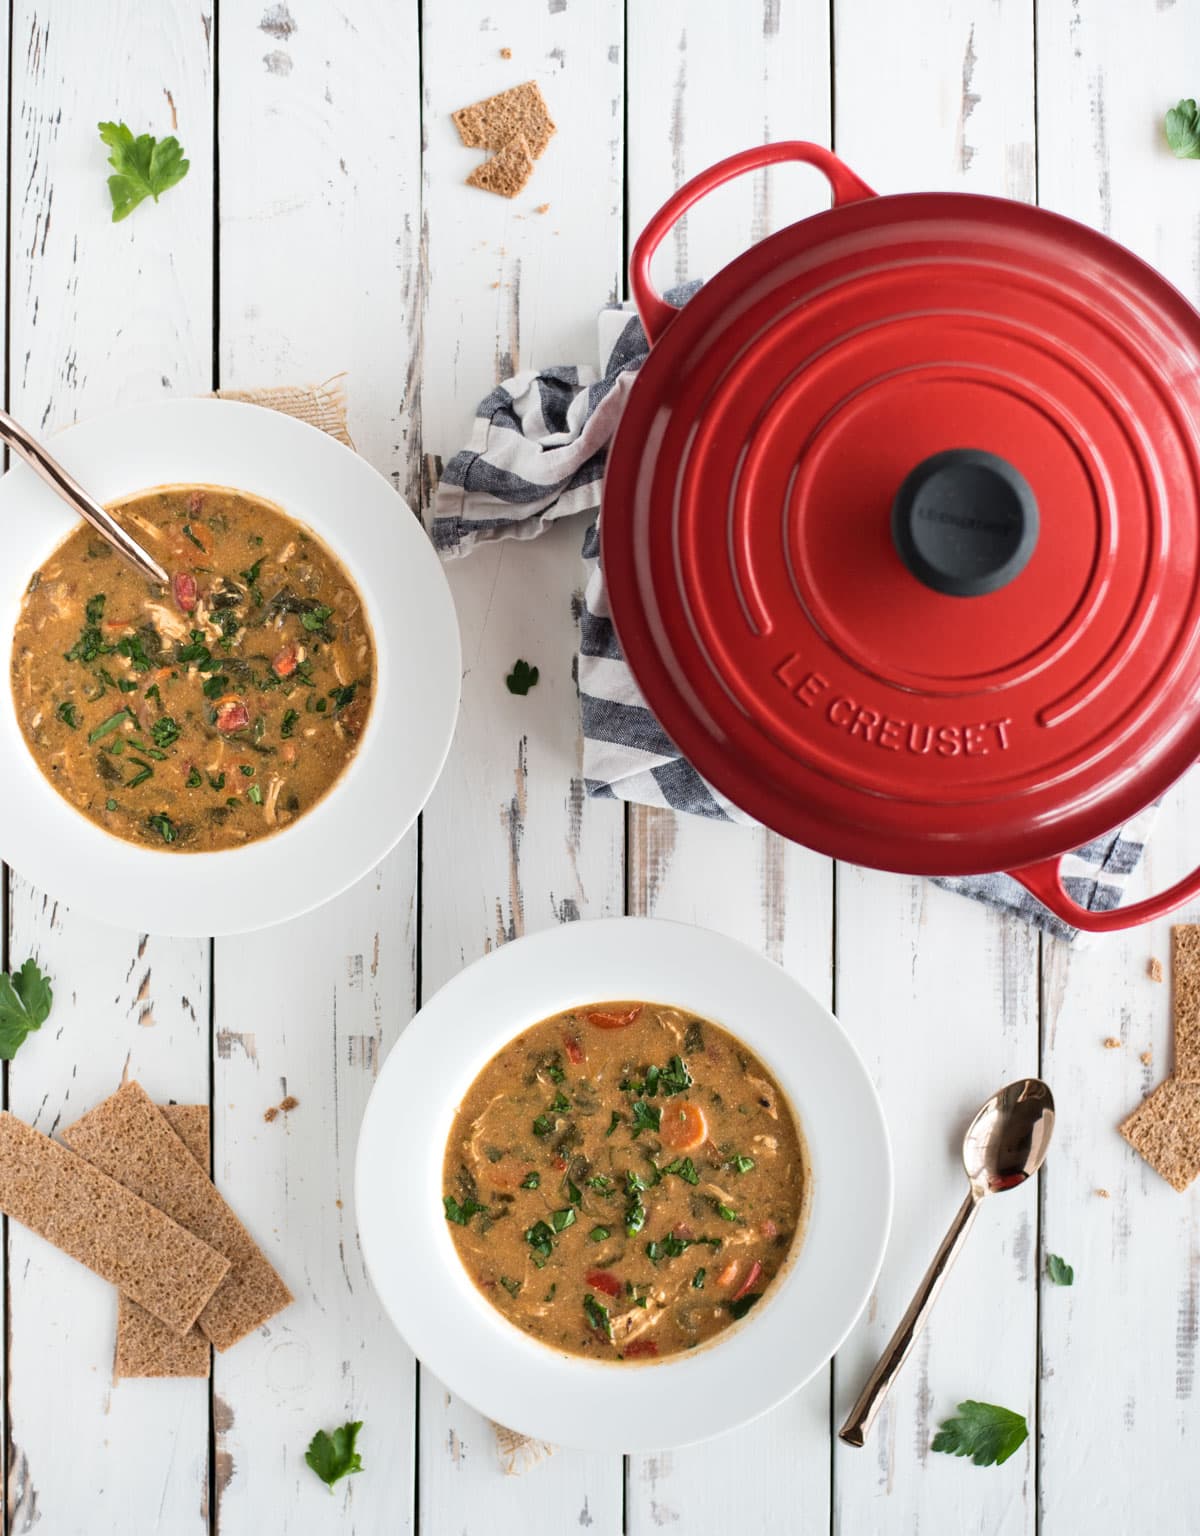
{"x": 1165, "y": 1129}
{"x": 95, "y": 1219}
{"x": 497, "y": 120}
{"x": 128, "y": 1138}
{"x": 507, "y": 172}
{"x": 144, "y": 1346}
{"x": 1185, "y": 999}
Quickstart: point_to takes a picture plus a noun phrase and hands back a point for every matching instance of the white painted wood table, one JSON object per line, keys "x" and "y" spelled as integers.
{"x": 324, "y": 227}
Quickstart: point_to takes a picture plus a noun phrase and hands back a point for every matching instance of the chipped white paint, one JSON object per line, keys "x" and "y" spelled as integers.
{"x": 343, "y": 245}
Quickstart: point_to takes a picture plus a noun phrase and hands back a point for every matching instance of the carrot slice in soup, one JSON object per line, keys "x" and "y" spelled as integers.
{"x": 604, "y": 1020}
{"x": 683, "y": 1126}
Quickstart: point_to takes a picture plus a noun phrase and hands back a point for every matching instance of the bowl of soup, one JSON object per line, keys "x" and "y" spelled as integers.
{"x": 623, "y": 1185}
{"x": 232, "y": 749}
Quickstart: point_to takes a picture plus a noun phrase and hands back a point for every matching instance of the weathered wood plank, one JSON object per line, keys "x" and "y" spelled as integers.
{"x": 510, "y": 843}
{"x": 1105, "y": 77}
{"x": 102, "y": 314}
{"x": 939, "y": 994}
{"x": 320, "y": 272}
{"x": 738, "y": 880}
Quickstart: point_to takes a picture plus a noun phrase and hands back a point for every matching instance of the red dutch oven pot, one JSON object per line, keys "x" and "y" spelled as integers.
{"x": 902, "y": 531}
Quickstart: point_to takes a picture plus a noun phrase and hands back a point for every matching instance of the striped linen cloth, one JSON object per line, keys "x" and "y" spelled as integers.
{"x": 537, "y": 454}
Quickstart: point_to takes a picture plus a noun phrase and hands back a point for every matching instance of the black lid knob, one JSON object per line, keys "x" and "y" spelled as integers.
{"x": 965, "y": 522}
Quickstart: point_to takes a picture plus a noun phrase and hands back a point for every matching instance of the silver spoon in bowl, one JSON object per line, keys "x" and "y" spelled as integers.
{"x": 69, "y": 489}
{"x": 1005, "y": 1144}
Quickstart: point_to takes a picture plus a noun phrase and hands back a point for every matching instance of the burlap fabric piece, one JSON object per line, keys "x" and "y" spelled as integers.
{"x": 324, "y": 406}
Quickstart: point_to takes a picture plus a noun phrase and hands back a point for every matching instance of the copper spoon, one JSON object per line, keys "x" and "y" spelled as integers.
{"x": 1005, "y": 1144}
{"x": 66, "y": 486}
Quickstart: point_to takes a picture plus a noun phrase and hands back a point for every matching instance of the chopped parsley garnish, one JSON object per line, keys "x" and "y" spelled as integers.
{"x": 331, "y": 1457}
{"x": 216, "y": 781}
{"x": 673, "y": 1078}
{"x": 343, "y": 696}
{"x": 522, "y": 678}
{"x": 316, "y": 617}
{"x": 288, "y": 723}
{"x": 25, "y": 1002}
{"x": 161, "y": 823}
{"x": 110, "y": 805}
{"x": 599, "y": 1234}
{"x": 683, "y": 1168}
{"x": 617, "y": 1117}
{"x": 142, "y": 167}
{"x": 561, "y": 1220}
{"x": 195, "y": 779}
{"x": 573, "y": 1193}
{"x": 597, "y": 1316}
{"x": 91, "y": 642}
{"x": 513, "y": 1287}
{"x": 247, "y": 770}
{"x": 743, "y": 1164}
{"x": 139, "y": 778}
{"x": 725, "y": 1213}
{"x": 645, "y": 1117}
{"x": 164, "y": 731}
{"x": 106, "y": 727}
{"x": 671, "y": 1246}
{"x": 559, "y": 1104}
{"x": 531, "y": 1180}
{"x": 698, "y": 1280}
{"x": 153, "y": 693}
{"x": 93, "y": 610}
{"x": 1183, "y": 130}
{"x": 635, "y": 1212}
{"x": 460, "y": 1215}
{"x": 987, "y": 1434}
{"x": 68, "y": 714}
{"x": 133, "y": 649}
{"x": 543, "y": 1125}
{"x": 554, "y": 1072}
{"x": 601, "y": 1184}
{"x": 215, "y": 687}
{"x": 541, "y": 1240}
{"x": 742, "y": 1305}
{"x": 250, "y": 577}
{"x": 188, "y": 534}
{"x": 254, "y": 794}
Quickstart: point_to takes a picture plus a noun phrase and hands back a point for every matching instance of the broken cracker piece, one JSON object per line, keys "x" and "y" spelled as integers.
{"x": 120, "y": 1237}
{"x": 1146, "y": 1058}
{"x": 496, "y": 121}
{"x": 1154, "y": 968}
{"x": 1165, "y": 1130}
{"x": 1185, "y": 999}
{"x": 289, "y": 1103}
{"x": 1111, "y": 1043}
{"x": 128, "y": 1138}
{"x": 506, "y": 173}
{"x": 506, "y": 53}
{"x": 146, "y": 1347}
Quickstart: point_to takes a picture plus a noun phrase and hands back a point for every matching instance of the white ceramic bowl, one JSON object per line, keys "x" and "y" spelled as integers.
{"x": 562, "y": 1398}
{"x": 323, "y": 484}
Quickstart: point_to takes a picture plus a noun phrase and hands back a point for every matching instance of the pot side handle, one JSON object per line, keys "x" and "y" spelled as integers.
{"x": 656, "y": 314}
{"x": 1045, "y": 881}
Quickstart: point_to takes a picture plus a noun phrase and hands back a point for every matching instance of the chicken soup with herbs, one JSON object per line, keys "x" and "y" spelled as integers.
{"x": 205, "y": 715}
{"x": 624, "y": 1181}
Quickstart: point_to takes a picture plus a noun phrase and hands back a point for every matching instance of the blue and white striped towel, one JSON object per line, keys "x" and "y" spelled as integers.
{"x": 537, "y": 454}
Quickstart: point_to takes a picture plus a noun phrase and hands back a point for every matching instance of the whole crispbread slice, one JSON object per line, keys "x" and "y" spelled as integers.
{"x": 128, "y": 1138}
{"x": 496, "y": 121}
{"x": 144, "y": 1346}
{"x": 1185, "y": 999}
{"x": 1165, "y": 1129}
{"x": 505, "y": 173}
{"x": 122, "y": 1238}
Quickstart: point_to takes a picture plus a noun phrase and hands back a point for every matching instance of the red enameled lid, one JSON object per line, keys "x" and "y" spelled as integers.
{"x": 900, "y": 528}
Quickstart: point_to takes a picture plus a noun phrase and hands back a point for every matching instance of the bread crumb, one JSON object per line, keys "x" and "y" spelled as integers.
{"x": 269, "y": 1114}
{"x": 542, "y": 208}
{"x": 1146, "y": 1058}
{"x": 1154, "y": 969}
{"x": 506, "y": 53}
{"x": 338, "y": 1203}
{"x": 1104, "y": 1194}
{"x": 1111, "y": 1043}
{"x": 289, "y": 1103}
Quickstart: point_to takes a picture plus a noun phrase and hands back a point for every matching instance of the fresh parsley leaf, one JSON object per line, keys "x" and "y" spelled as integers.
{"x": 522, "y": 678}
{"x": 531, "y": 1180}
{"x": 254, "y": 794}
{"x": 543, "y": 1125}
{"x": 685, "y": 1169}
{"x": 597, "y": 1316}
{"x": 541, "y": 1240}
{"x": 1059, "y": 1271}
{"x": 315, "y": 618}
{"x": 94, "y": 608}
{"x": 645, "y": 1117}
{"x": 554, "y": 1072}
{"x": 573, "y": 1193}
{"x": 250, "y": 577}
{"x": 671, "y": 1246}
{"x": 513, "y": 1287}
{"x": 133, "y": 649}
{"x": 164, "y": 826}
{"x": 599, "y": 1234}
{"x": 742, "y": 1305}
{"x": 216, "y": 781}
{"x": 139, "y": 778}
{"x": 343, "y": 696}
{"x": 68, "y": 714}
{"x": 165, "y": 731}
{"x": 561, "y": 1220}
{"x": 106, "y": 727}
{"x": 698, "y": 1280}
{"x": 674, "y": 1077}
{"x": 25, "y": 1002}
{"x": 635, "y": 1213}
{"x": 333, "y": 1457}
{"x": 215, "y": 687}
{"x": 614, "y": 1122}
{"x": 601, "y": 1184}
{"x": 987, "y": 1434}
{"x": 461, "y": 1215}
{"x": 559, "y": 1104}
{"x": 1183, "y": 130}
{"x": 188, "y": 534}
{"x": 726, "y": 1213}
{"x": 143, "y": 167}
{"x": 194, "y": 779}
{"x": 743, "y": 1164}
{"x": 288, "y": 724}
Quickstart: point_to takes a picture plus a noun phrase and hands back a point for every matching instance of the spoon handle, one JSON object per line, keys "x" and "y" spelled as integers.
{"x": 858, "y": 1425}
{"x": 66, "y": 486}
